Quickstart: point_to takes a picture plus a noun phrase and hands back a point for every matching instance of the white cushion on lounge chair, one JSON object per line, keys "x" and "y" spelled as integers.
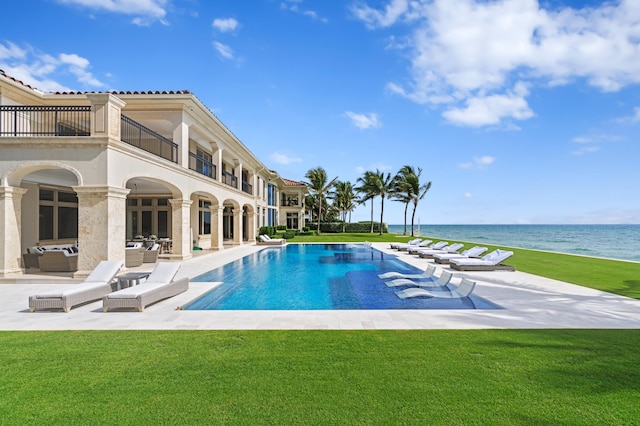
{"x": 135, "y": 291}
{"x": 464, "y": 289}
{"x": 428, "y": 273}
{"x": 163, "y": 272}
{"x": 84, "y": 286}
{"x": 95, "y": 286}
{"x": 472, "y": 252}
{"x": 491, "y": 259}
{"x": 159, "y": 285}
{"x": 436, "y": 246}
{"x": 443, "y": 280}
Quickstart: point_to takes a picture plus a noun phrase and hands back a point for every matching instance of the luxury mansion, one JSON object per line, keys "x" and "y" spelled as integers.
{"x": 93, "y": 171}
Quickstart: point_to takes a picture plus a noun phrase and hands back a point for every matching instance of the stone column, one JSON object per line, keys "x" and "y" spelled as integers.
{"x": 181, "y": 137}
{"x": 181, "y": 228}
{"x": 217, "y": 160}
{"x": 105, "y": 110}
{"x": 102, "y": 213}
{"x": 237, "y": 226}
{"x": 251, "y": 227}
{"x": 10, "y": 229}
{"x": 217, "y": 240}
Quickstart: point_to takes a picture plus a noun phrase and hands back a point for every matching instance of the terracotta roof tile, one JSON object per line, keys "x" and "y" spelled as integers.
{"x": 290, "y": 182}
{"x": 16, "y": 80}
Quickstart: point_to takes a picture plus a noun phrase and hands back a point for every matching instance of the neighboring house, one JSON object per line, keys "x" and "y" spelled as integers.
{"x": 100, "y": 169}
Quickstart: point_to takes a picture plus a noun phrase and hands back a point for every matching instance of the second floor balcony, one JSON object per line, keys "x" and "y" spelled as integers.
{"x": 202, "y": 165}
{"x": 71, "y": 121}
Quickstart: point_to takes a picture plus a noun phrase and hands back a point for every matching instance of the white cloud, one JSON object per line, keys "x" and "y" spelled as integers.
{"x": 363, "y": 121}
{"x": 629, "y": 119}
{"x": 468, "y": 195}
{"x": 466, "y": 54}
{"x": 35, "y": 68}
{"x": 223, "y": 50}
{"x": 591, "y": 143}
{"x": 225, "y": 25}
{"x": 147, "y": 11}
{"x": 374, "y": 18}
{"x": 281, "y": 158}
{"x": 293, "y": 6}
{"x": 586, "y": 150}
{"x": 486, "y": 110}
{"x": 375, "y": 166}
{"x": 11, "y": 51}
{"x": 478, "y": 162}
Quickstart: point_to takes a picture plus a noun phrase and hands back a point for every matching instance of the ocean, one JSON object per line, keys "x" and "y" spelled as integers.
{"x": 620, "y": 242}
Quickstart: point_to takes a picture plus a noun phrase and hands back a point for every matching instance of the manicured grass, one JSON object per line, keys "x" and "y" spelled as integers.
{"x": 435, "y": 377}
{"x": 566, "y": 377}
{"x": 603, "y": 274}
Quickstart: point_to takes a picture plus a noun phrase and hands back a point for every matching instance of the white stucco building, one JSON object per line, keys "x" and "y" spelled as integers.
{"x": 100, "y": 169}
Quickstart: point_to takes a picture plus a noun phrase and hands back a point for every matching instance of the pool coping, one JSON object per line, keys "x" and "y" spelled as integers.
{"x": 528, "y": 301}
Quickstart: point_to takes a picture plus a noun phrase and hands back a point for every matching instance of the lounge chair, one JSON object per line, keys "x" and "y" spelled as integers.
{"x": 95, "y": 286}
{"x": 410, "y": 244}
{"x": 442, "y": 281}
{"x": 428, "y": 254}
{"x": 462, "y": 290}
{"x": 435, "y": 246}
{"x": 158, "y": 286}
{"x": 423, "y": 244}
{"x": 428, "y": 273}
{"x": 490, "y": 262}
{"x": 472, "y": 252}
{"x": 265, "y": 240}
{"x": 415, "y": 241}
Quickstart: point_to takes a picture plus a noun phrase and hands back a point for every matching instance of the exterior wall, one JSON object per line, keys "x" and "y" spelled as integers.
{"x": 102, "y": 170}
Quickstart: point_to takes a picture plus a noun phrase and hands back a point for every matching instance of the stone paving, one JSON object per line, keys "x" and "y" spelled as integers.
{"x": 528, "y": 301}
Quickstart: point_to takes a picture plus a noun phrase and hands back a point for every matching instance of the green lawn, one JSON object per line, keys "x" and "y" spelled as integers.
{"x": 548, "y": 377}
{"x": 437, "y": 377}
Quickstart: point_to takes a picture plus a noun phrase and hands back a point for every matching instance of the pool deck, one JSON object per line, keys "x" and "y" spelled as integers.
{"x": 528, "y": 301}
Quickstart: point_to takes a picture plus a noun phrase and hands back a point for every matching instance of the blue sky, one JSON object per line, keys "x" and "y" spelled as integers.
{"x": 517, "y": 111}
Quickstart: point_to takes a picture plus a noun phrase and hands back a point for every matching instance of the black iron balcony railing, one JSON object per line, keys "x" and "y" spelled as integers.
{"x": 247, "y": 187}
{"x": 146, "y": 139}
{"x": 289, "y": 202}
{"x": 229, "y": 179}
{"x": 39, "y": 120}
{"x": 202, "y": 165}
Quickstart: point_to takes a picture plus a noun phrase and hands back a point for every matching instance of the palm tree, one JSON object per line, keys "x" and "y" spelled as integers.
{"x": 409, "y": 189}
{"x": 368, "y": 189}
{"x": 385, "y": 187}
{"x": 319, "y": 188}
{"x": 343, "y": 198}
{"x": 402, "y": 192}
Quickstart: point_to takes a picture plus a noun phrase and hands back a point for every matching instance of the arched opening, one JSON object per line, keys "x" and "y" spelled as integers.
{"x": 49, "y": 213}
{"x": 149, "y": 212}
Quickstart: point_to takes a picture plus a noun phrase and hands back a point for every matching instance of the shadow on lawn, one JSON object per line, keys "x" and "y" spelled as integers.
{"x": 597, "y": 361}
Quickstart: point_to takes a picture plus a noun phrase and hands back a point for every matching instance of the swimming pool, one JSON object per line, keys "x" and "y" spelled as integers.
{"x": 315, "y": 277}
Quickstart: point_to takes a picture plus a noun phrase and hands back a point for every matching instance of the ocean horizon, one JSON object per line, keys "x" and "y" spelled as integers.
{"x": 620, "y": 242}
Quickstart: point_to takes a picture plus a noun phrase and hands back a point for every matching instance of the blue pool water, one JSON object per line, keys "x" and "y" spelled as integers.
{"x": 315, "y": 277}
